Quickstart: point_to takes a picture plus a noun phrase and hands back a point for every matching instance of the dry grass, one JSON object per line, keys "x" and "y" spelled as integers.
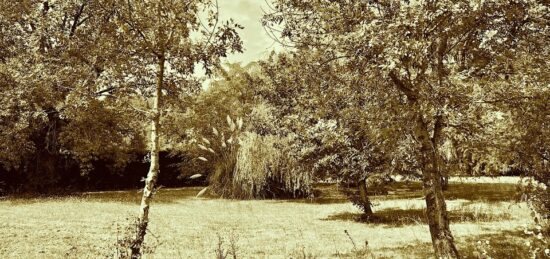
{"x": 86, "y": 226}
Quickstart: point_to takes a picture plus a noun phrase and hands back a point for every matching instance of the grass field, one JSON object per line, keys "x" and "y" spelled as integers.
{"x": 182, "y": 226}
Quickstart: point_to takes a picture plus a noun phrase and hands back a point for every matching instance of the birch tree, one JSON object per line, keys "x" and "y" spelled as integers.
{"x": 162, "y": 42}
{"x": 134, "y": 57}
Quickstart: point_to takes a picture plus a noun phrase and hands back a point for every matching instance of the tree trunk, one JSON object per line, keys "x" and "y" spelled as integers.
{"x": 436, "y": 210}
{"x": 364, "y": 198}
{"x": 152, "y": 175}
{"x": 445, "y": 182}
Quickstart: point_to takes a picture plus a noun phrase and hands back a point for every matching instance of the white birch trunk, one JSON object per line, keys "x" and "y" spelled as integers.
{"x": 152, "y": 175}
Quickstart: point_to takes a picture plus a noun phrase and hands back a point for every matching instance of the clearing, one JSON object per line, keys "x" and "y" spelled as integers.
{"x": 183, "y": 226}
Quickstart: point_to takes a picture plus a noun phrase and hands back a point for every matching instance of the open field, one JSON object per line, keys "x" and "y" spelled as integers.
{"x": 186, "y": 227}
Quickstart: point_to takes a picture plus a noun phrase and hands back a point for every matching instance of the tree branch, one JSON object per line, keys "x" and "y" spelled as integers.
{"x": 403, "y": 86}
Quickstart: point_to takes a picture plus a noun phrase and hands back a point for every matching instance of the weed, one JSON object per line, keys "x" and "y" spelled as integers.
{"x": 302, "y": 253}
{"x": 227, "y": 251}
{"x": 363, "y": 252}
{"x": 125, "y": 237}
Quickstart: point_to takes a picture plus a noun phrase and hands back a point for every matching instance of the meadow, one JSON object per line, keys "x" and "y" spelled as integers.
{"x": 486, "y": 218}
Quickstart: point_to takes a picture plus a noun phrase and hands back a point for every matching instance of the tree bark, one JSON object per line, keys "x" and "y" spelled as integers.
{"x": 438, "y": 131}
{"x": 436, "y": 209}
{"x": 364, "y": 198}
{"x": 152, "y": 175}
{"x": 445, "y": 182}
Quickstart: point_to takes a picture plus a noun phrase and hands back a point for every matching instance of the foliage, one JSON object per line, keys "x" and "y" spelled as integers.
{"x": 537, "y": 241}
{"x": 395, "y": 40}
{"x": 51, "y": 53}
{"x": 341, "y": 132}
{"x": 77, "y": 77}
{"x": 18, "y": 123}
{"x": 105, "y": 134}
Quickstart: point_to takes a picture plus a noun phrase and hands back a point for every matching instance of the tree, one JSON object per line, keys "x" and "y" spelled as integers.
{"x": 435, "y": 53}
{"x": 54, "y": 54}
{"x": 77, "y": 58}
{"x": 169, "y": 36}
{"x": 342, "y": 133}
{"x": 524, "y": 103}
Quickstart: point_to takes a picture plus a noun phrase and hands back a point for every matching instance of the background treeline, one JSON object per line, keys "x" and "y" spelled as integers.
{"x": 327, "y": 127}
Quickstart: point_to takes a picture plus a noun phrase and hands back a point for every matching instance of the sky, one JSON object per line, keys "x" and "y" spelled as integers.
{"x": 248, "y": 13}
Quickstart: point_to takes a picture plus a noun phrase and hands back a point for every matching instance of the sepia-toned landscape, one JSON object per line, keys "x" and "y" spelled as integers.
{"x": 274, "y": 129}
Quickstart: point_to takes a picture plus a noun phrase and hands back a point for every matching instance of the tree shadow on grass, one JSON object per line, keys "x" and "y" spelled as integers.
{"x": 163, "y": 195}
{"x": 395, "y": 217}
{"x": 485, "y": 192}
{"x": 506, "y": 244}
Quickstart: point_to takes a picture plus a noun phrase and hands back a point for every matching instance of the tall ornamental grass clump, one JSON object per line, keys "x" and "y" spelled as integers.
{"x": 264, "y": 168}
{"x": 251, "y": 166}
